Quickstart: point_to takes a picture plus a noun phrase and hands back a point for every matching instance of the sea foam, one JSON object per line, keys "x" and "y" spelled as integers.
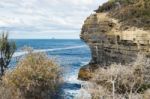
{"x": 17, "y": 54}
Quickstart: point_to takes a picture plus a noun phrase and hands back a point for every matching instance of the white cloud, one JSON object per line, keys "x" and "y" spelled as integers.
{"x": 32, "y": 16}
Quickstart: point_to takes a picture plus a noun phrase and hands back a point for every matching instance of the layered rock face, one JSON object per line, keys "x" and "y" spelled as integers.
{"x": 109, "y": 43}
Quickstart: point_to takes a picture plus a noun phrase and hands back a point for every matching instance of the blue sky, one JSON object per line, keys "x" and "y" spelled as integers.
{"x": 26, "y": 19}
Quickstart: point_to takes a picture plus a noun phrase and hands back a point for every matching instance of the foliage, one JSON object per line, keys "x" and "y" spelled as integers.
{"x": 35, "y": 77}
{"x": 105, "y": 7}
{"x": 112, "y": 4}
{"x": 129, "y": 12}
{"x": 122, "y": 81}
{"x": 7, "y": 49}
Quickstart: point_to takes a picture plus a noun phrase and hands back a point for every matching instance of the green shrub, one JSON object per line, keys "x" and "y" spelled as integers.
{"x": 7, "y": 49}
{"x": 106, "y": 7}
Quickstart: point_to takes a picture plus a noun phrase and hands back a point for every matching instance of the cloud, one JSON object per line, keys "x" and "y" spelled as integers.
{"x": 45, "y": 17}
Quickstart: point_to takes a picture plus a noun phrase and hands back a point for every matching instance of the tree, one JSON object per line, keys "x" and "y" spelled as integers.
{"x": 7, "y": 50}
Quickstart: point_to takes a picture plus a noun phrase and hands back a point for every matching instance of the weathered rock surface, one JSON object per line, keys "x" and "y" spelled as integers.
{"x": 109, "y": 43}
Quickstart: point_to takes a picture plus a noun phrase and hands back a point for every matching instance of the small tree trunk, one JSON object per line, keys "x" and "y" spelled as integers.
{"x": 2, "y": 70}
{"x": 113, "y": 93}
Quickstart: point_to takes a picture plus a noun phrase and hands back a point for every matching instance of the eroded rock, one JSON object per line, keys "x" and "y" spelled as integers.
{"x": 109, "y": 43}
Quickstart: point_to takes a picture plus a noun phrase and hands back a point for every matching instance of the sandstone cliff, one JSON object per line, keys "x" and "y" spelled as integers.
{"x": 112, "y": 40}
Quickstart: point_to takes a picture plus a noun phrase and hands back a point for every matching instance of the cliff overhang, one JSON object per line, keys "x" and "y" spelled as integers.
{"x": 112, "y": 40}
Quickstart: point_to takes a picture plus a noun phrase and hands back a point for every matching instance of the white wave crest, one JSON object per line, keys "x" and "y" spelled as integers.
{"x": 16, "y": 54}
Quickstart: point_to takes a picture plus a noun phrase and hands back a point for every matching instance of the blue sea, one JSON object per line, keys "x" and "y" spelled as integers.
{"x": 70, "y": 54}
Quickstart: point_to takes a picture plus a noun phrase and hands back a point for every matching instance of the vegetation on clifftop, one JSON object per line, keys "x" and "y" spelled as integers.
{"x": 129, "y": 12}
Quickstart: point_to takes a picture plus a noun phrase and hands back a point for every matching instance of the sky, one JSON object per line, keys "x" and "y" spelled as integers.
{"x": 45, "y": 19}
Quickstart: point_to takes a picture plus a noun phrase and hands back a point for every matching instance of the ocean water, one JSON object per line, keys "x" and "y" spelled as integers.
{"x": 70, "y": 54}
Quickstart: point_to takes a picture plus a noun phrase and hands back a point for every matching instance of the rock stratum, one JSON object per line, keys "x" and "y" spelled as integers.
{"x": 115, "y": 40}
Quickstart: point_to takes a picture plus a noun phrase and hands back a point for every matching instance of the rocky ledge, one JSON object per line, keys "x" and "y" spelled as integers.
{"x": 112, "y": 41}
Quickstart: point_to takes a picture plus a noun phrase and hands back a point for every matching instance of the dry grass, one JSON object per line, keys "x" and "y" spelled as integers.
{"x": 35, "y": 77}
{"x": 122, "y": 82}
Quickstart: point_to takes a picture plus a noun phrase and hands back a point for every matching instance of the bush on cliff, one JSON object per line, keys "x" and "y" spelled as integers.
{"x": 122, "y": 81}
{"x": 35, "y": 77}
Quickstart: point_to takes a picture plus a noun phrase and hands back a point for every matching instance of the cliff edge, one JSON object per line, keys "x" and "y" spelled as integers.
{"x": 116, "y": 33}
